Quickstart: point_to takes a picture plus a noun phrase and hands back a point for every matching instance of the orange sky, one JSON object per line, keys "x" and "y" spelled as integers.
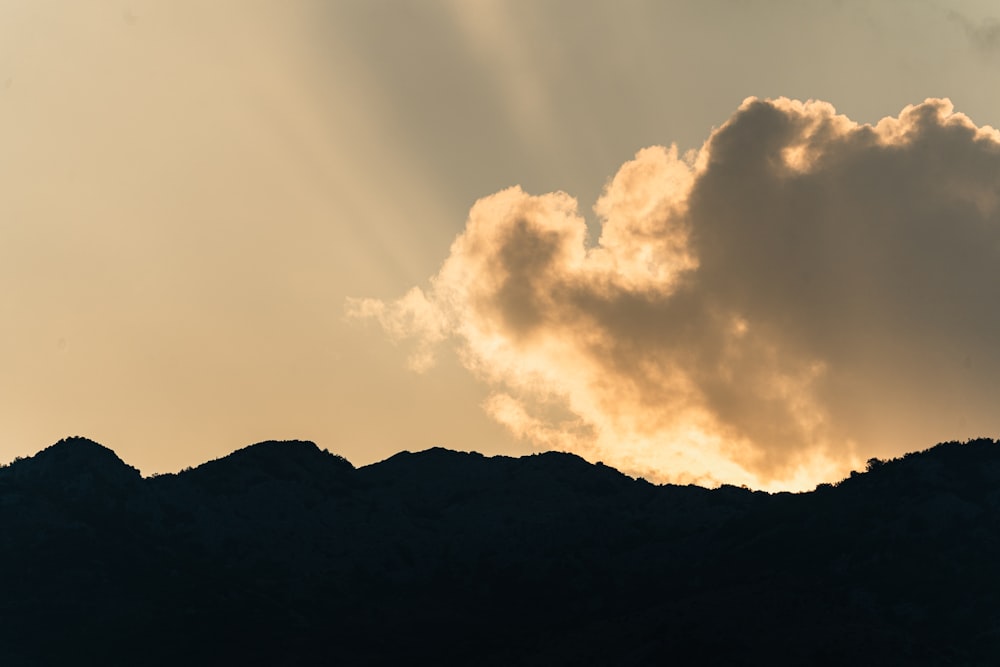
{"x": 194, "y": 192}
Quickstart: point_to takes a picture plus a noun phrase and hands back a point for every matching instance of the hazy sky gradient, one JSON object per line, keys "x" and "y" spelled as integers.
{"x": 192, "y": 190}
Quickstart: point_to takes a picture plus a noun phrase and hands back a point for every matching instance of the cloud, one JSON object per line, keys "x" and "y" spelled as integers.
{"x": 801, "y": 293}
{"x": 984, "y": 33}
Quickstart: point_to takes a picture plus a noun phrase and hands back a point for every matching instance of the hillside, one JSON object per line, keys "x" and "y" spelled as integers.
{"x": 284, "y": 554}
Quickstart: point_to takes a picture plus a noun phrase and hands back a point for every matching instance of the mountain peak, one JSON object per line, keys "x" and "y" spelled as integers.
{"x": 78, "y": 450}
{"x": 77, "y": 443}
{"x": 76, "y": 463}
{"x": 282, "y": 453}
{"x": 289, "y": 460}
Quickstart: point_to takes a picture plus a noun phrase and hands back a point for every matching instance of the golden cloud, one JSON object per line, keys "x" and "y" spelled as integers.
{"x": 799, "y": 294}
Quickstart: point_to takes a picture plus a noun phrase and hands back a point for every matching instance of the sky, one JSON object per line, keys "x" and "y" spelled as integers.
{"x": 703, "y": 242}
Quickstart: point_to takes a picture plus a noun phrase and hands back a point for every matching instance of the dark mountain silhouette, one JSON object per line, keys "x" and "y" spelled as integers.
{"x": 284, "y": 554}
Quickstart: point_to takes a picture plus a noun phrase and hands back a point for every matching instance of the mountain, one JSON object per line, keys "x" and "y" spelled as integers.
{"x": 285, "y": 554}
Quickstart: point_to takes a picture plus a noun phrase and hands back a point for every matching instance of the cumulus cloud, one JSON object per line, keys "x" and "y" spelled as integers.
{"x": 801, "y": 293}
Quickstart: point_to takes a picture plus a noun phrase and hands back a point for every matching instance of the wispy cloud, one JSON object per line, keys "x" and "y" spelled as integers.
{"x": 983, "y": 33}
{"x": 799, "y": 294}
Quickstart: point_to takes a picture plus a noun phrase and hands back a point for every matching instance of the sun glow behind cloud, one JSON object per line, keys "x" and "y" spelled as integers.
{"x": 769, "y": 310}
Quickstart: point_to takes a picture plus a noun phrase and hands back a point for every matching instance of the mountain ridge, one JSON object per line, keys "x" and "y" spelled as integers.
{"x": 282, "y": 553}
